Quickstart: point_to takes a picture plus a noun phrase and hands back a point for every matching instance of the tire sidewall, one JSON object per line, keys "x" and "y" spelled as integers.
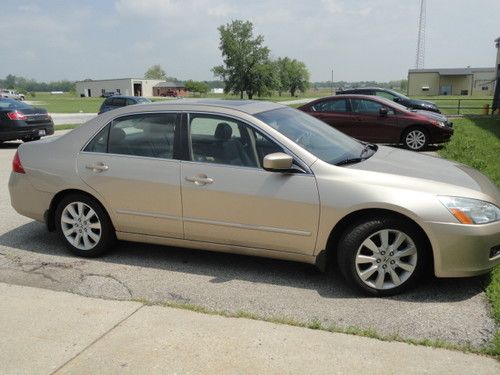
{"x": 107, "y": 231}
{"x": 354, "y": 237}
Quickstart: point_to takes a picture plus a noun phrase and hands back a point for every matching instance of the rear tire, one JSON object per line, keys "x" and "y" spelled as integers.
{"x": 415, "y": 139}
{"x": 84, "y": 226}
{"x": 382, "y": 256}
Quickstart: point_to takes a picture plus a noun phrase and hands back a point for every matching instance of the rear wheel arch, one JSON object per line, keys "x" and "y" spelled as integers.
{"x": 50, "y": 215}
{"x": 364, "y": 215}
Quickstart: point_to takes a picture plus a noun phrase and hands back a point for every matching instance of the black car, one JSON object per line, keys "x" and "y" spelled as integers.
{"x": 115, "y": 101}
{"x": 394, "y": 96}
{"x": 19, "y": 120}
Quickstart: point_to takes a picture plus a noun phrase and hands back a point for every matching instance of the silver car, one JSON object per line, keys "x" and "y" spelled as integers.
{"x": 262, "y": 179}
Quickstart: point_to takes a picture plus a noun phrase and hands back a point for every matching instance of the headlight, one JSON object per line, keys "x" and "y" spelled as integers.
{"x": 471, "y": 211}
{"x": 438, "y": 123}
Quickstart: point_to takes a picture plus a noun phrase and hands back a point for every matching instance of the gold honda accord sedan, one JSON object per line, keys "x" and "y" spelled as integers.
{"x": 263, "y": 179}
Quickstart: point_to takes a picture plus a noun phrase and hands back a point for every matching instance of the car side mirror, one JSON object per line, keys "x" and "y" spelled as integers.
{"x": 383, "y": 111}
{"x": 278, "y": 162}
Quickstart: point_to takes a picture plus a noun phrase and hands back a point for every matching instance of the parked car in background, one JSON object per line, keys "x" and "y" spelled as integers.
{"x": 259, "y": 178}
{"x": 11, "y": 94}
{"x": 171, "y": 93}
{"x": 19, "y": 120}
{"x": 378, "y": 120}
{"x": 118, "y": 101}
{"x": 393, "y": 96}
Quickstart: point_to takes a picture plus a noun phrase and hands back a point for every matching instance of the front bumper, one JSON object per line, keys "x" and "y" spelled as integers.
{"x": 464, "y": 250}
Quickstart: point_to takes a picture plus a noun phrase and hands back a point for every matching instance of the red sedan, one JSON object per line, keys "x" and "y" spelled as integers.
{"x": 378, "y": 120}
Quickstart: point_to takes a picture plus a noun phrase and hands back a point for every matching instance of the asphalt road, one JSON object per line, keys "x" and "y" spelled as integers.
{"x": 455, "y": 310}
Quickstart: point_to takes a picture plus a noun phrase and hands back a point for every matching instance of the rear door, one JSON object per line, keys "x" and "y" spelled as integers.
{"x": 132, "y": 164}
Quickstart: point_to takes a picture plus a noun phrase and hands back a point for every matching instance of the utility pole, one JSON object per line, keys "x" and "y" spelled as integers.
{"x": 420, "y": 56}
{"x": 496, "y": 96}
{"x": 331, "y": 84}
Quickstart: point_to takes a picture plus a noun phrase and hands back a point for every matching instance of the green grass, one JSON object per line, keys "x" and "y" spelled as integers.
{"x": 65, "y": 126}
{"x": 476, "y": 142}
{"x": 65, "y": 103}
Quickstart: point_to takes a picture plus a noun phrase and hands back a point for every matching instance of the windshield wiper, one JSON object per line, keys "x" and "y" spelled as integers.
{"x": 361, "y": 157}
{"x": 350, "y": 161}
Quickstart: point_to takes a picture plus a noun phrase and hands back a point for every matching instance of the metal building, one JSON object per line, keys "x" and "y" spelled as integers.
{"x": 459, "y": 81}
{"x": 121, "y": 86}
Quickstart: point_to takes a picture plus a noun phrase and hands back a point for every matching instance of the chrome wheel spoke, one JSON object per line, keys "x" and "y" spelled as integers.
{"x": 90, "y": 214}
{"x": 379, "y": 281}
{"x": 363, "y": 259}
{"x": 400, "y": 238}
{"x": 71, "y": 210}
{"x": 69, "y": 231}
{"x": 384, "y": 238}
{"x": 405, "y": 266}
{"x": 406, "y": 252}
{"x": 394, "y": 277}
{"x": 93, "y": 236}
{"x": 86, "y": 241}
{"x": 370, "y": 245}
{"x": 95, "y": 226}
{"x": 366, "y": 274}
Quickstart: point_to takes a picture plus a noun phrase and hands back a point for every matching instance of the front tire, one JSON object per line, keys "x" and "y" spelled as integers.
{"x": 416, "y": 139}
{"x": 84, "y": 226}
{"x": 382, "y": 256}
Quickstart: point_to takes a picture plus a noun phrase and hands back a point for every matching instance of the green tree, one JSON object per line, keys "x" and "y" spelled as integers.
{"x": 245, "y": 60}
{"x": 196, "y": 87}
{"x": 155, "y": 72}
{"x": 293, "y": 75}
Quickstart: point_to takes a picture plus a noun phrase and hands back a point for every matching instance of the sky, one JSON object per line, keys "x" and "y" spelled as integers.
{"x": 373, "y": 40}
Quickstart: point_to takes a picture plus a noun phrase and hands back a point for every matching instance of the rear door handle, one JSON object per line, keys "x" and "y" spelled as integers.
{"x": 200, "y": 179}
{"x": 98, "y": 167}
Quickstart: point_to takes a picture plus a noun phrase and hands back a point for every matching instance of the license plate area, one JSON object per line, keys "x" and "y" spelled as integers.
{"x": 42, "y": 132}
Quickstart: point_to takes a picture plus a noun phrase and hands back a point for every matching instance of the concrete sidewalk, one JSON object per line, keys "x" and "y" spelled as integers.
{"x": 46, "y": 332}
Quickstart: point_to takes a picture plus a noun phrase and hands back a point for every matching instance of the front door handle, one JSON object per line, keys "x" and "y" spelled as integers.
{"x": 98, "y": 167}
{"x": 200, "y": 179}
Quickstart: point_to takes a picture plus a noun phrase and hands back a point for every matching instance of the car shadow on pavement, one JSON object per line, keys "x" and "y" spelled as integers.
{"x": 222, "y": 267}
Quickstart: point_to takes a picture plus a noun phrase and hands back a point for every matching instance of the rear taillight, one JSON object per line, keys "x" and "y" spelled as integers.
{"x": 16, "y": 115}
{"x": 16, "y": 164}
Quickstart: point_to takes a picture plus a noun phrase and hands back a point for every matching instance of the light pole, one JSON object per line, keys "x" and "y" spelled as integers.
{"x": 331, "y": 84}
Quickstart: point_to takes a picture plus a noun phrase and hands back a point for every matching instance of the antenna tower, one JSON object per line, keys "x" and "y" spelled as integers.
{"x": 420, "y": 58}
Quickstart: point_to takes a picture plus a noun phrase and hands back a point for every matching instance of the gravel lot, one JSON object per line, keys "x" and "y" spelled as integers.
{"x": 455, "y": 310}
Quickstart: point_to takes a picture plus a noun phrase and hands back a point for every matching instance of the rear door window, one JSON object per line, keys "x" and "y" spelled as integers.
{"x": 151, "y": 135}
{"x": 336, "y": 105}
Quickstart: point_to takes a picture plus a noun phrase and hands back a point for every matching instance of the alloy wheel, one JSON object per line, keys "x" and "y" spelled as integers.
{"x": 81, "y": 226}
{"x": 415, "y": 139}
{"x": 386, "y": 259}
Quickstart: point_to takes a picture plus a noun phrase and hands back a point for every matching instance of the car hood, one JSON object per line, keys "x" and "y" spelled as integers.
{"x": 412, "y": 164}
{"x": 422, "y": 103}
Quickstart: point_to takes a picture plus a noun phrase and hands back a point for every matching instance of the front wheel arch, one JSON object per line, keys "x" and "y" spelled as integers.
{"x": 339, "y": 229}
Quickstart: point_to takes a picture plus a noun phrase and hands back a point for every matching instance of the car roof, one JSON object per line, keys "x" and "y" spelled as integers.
{"x": 125, "y": 97}
{"x": 247, "y": 106}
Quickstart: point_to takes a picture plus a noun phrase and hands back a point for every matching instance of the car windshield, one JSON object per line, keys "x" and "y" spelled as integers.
{"x": 13, "y": 104}
{"x": 395, "y": 93}
{"x": 320, "y": 139}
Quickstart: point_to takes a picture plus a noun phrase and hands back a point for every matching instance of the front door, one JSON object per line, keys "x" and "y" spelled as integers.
{"x": 370, "y": 125}
{"x": 229, "y": 198}
{"x": 130, "y": 163}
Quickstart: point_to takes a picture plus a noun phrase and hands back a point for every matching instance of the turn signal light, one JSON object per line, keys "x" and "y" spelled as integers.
{"x": 16, "y": 164}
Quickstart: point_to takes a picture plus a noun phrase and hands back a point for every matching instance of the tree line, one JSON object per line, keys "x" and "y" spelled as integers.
{"x": 25, "y": 85}
{"x": 248, "y": 68}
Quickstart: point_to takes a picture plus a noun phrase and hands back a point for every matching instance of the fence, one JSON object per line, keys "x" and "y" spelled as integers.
{"x": 462, "y": 106}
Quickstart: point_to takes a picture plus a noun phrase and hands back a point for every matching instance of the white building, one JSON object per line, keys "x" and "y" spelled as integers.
{"x": 121, "y": 86}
